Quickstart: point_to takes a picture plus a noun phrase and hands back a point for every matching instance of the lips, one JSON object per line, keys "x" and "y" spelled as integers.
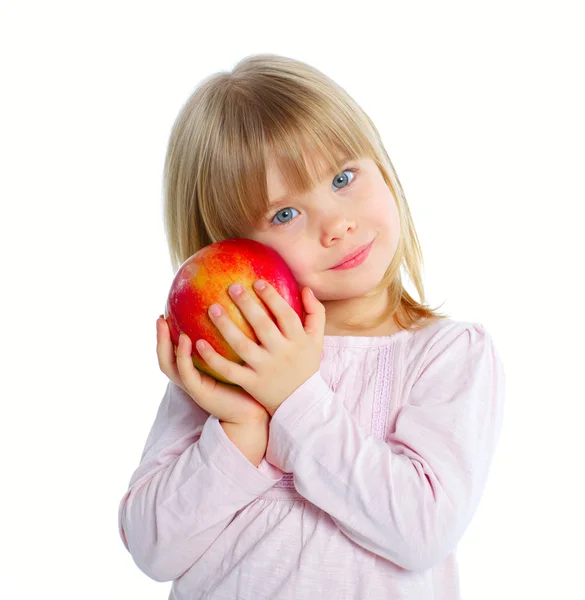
{"x": 353, "y": 255}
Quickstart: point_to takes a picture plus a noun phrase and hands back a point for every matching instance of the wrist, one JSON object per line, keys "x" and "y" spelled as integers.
{"x": 251, "y": 438}
{"x": 259, "y": 418}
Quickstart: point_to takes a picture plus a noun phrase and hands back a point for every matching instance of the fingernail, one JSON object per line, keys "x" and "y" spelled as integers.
{"x": 215, "y": 310}
{"x": 260, "y": 285}
{"x": 235, "y": 289}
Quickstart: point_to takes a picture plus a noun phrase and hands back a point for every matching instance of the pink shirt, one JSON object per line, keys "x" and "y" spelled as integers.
{"x": 374, "y": 469}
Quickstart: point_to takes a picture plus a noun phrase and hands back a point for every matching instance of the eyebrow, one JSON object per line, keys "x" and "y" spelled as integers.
{"x": 284, "y": 199}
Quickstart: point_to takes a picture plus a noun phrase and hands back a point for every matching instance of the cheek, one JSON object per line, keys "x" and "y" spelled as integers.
{"x": 393, "y": 219}
{"x": 297, "y": 260}
{"x": 386, "y": 212}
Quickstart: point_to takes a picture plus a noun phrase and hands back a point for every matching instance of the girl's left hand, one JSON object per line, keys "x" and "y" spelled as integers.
{"x": 288, "y": 354}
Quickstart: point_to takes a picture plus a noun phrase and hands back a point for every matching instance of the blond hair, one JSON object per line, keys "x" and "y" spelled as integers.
{"x": 215, "y": 169}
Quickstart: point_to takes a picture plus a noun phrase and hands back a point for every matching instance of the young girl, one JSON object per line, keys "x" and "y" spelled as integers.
{"x": 352, "y": 454}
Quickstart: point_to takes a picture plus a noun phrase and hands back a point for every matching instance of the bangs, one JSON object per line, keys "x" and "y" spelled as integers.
{"x": 308, "y": 135}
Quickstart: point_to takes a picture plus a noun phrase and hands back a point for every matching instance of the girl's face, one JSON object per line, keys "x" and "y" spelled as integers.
{"x": 316, "y": 231}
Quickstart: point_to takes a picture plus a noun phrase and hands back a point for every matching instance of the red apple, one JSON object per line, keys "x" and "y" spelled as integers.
{"x": 204, "y": 278}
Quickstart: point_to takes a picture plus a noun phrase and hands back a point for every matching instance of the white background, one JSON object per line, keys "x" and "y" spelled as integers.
{"x": 480, "y": 105}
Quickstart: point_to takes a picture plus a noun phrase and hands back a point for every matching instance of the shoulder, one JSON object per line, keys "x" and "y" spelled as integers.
{"x": 440, "y": 332}
{"x": 435, "y": 329}
{"x": 453, "y": 343}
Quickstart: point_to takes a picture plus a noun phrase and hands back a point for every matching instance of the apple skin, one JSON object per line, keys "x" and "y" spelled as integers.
{"x": 204, "y": 278}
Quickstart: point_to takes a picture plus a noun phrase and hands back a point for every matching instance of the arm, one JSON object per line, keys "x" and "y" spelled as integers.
{"x": 191, "y": 481}
{"x": 408, "y": 499}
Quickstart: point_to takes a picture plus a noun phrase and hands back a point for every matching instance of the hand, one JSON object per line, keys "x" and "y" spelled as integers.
{"x": 228, "y": 403}
{"x": 288, "y": 354}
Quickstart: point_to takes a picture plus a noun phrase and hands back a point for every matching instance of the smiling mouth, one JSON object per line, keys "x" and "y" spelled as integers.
{"x": 355, "y": 259}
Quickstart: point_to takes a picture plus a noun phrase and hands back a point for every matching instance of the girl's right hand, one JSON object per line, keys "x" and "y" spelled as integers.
{"x": 228, "y": 403}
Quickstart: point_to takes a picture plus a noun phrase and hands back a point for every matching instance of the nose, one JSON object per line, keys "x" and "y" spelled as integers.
{"x": 335, "y": 226}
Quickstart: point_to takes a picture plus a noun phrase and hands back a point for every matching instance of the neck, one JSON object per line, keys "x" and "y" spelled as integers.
{"x": 338, "y": 312}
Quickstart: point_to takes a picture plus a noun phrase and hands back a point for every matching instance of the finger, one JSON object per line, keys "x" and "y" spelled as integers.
{"x": 257, "y": 315}
{"x": 233, "y": 372}
{"x": 189, "y": 375}
{"x": 315, "y": 318}
{"x": 166, "y": 353}
{"x": 244, "y": 347}
{"x": 216, "y": 398}
{"x": 288, "y": 321}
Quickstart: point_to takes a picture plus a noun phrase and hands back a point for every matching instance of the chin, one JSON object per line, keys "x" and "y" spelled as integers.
{"x": 348, "y": 290}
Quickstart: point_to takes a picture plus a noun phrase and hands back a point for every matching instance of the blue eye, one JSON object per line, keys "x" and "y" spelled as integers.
{"x": 284, "y": 216}
{"x": 342, "y": 179}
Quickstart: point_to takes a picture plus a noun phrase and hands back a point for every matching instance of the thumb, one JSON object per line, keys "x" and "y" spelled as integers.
{"x": 315, "y": 320}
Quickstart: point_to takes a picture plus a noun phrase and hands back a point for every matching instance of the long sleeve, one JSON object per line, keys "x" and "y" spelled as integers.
{"x": 408, "y": 498}
{"x": 189, "y": 485}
